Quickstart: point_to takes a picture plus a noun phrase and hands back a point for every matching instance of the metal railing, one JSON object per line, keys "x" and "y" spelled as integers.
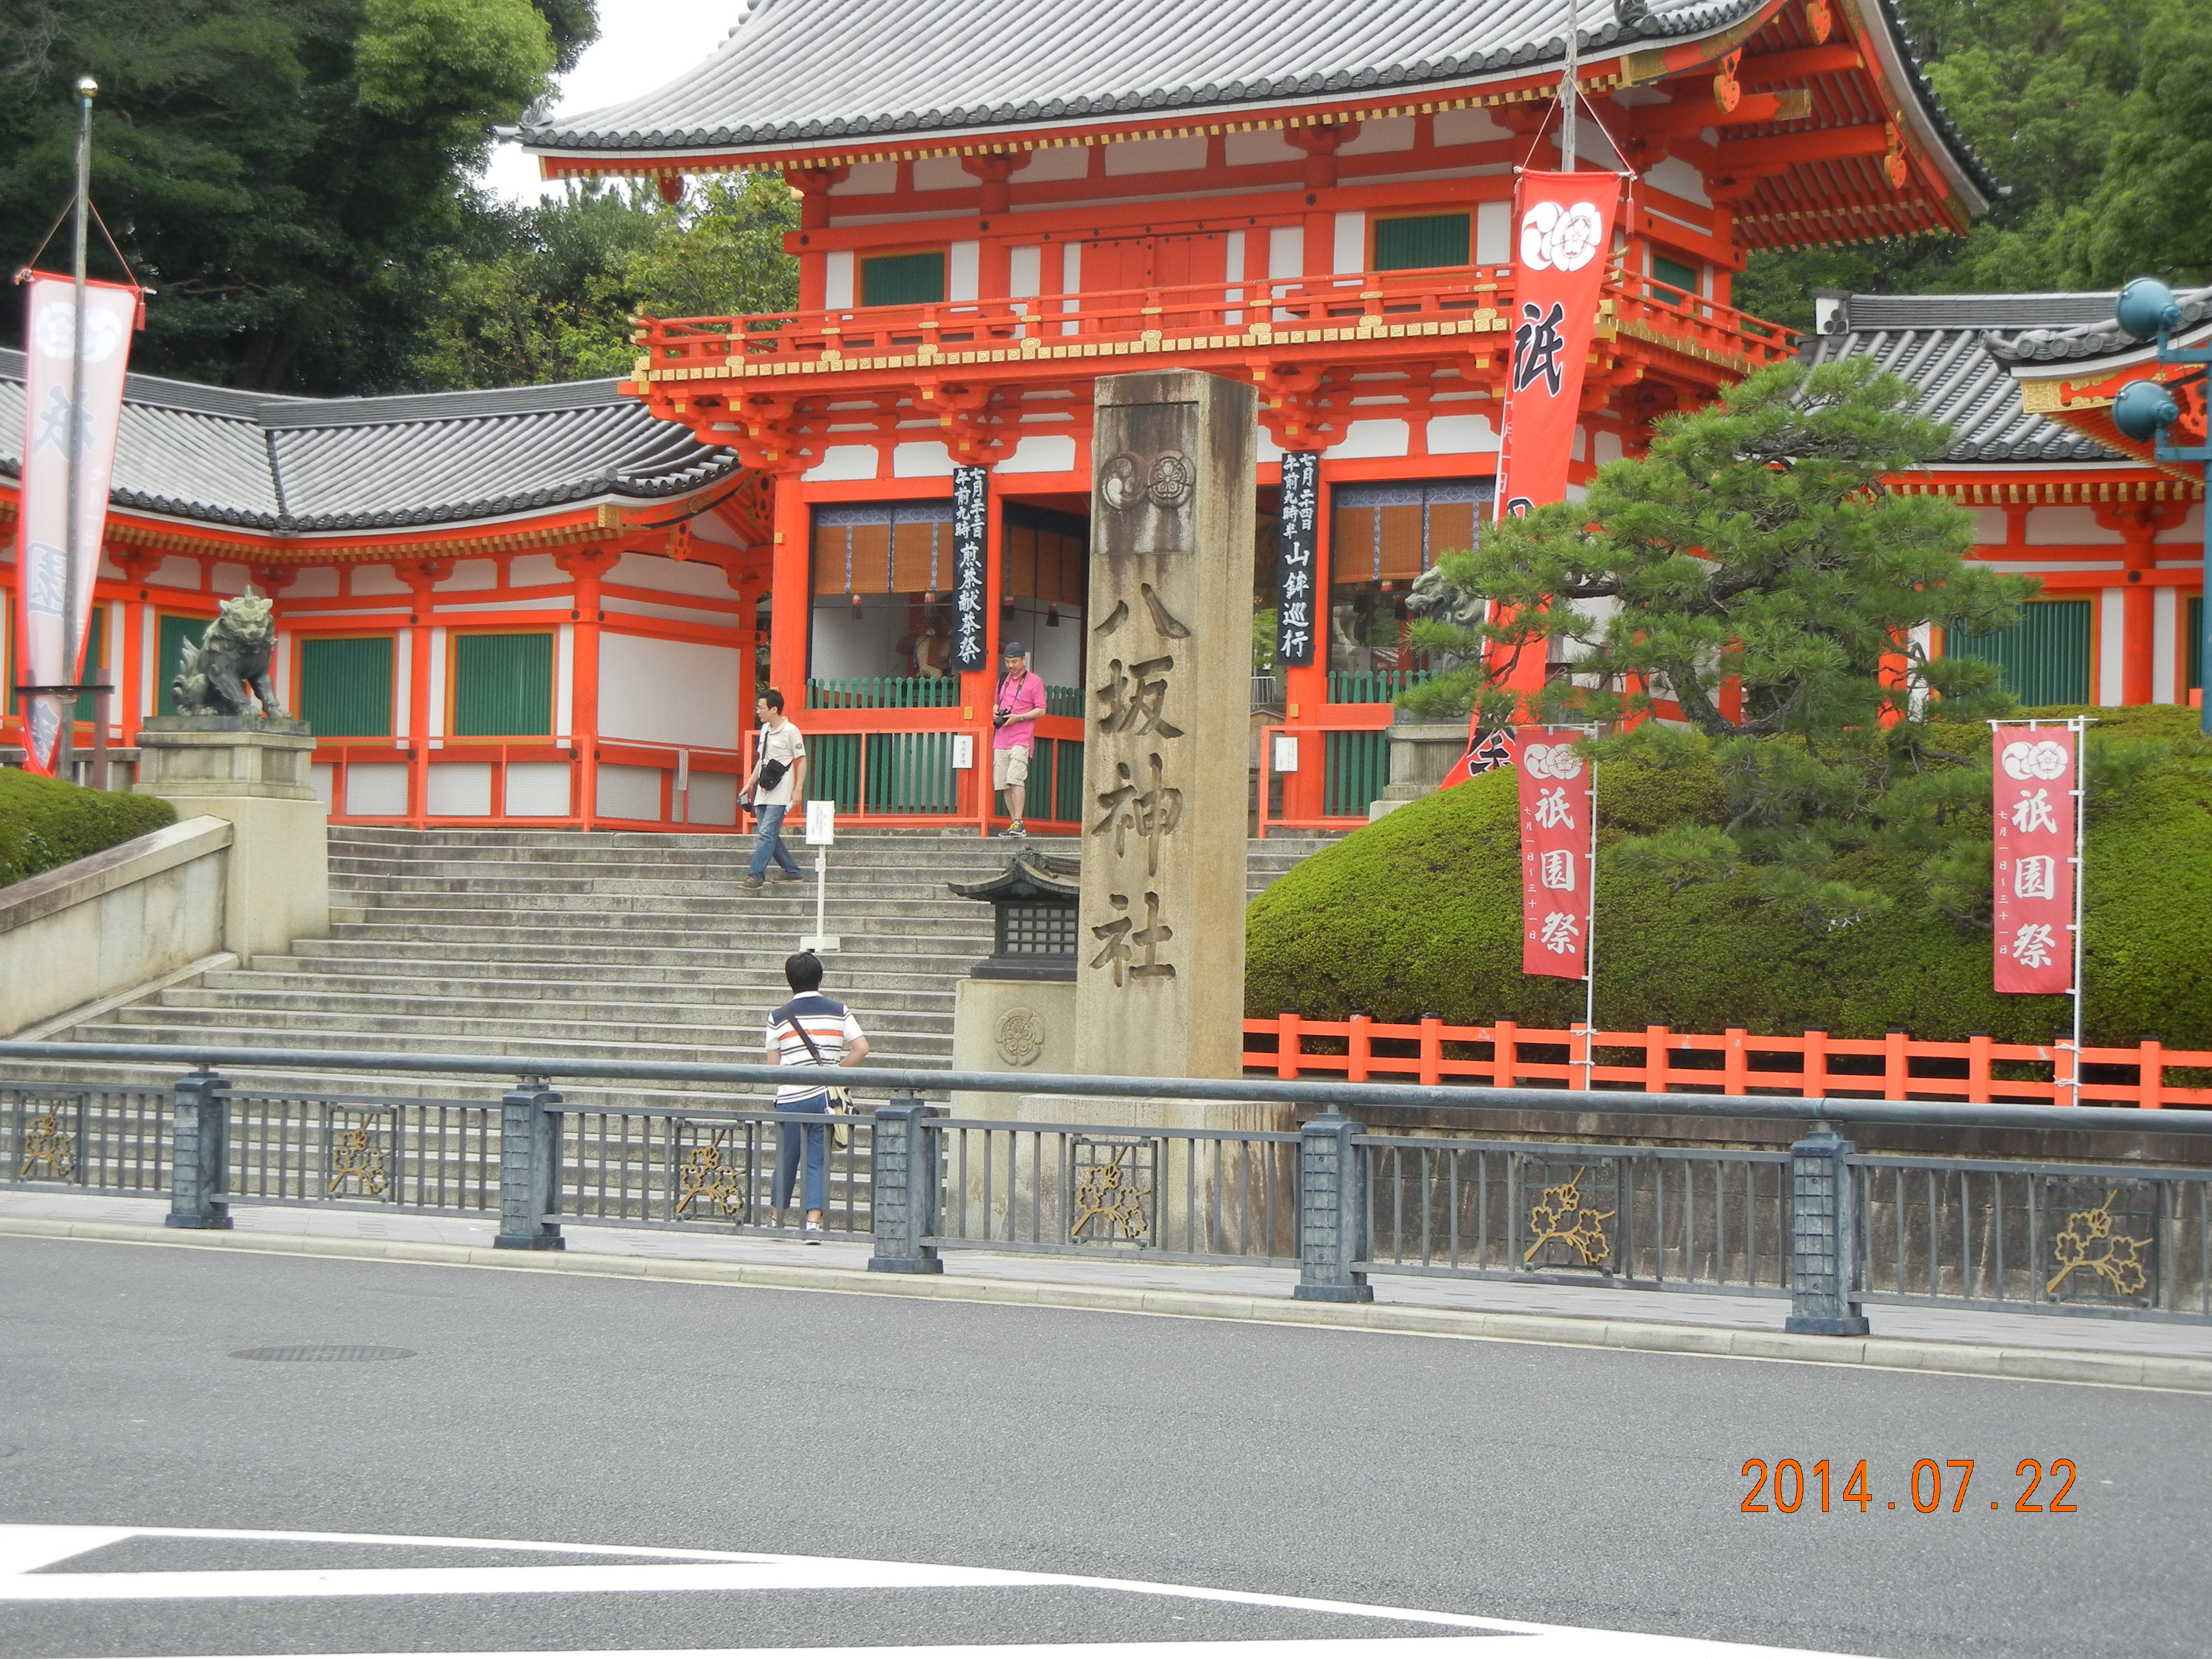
{"x": 1822, "y": 1223}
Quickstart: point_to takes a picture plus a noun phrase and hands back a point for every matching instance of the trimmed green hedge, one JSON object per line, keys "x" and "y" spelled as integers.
{"x": 45, "y": 822}
{"x": 1420, "y": 912}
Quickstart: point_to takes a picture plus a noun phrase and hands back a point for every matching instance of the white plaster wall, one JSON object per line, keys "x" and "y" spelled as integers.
{"x": 373, "y": 579}
{"x": 2049, "y": 527}
{"x": 942, "y": 172}
{"x": 670, "y": 691}
{"x": 928, "y": 459}
{"x": 564, "y": 679}
{"x": 435, "y": 715}
{"x": 1049, "y": 453}
{"x": 1025, "y": 272}
{"x": 229, "y": 578}
{"x": 1148, "y": 156}
{"x": 713, "y": 797}
{"x": 378, "y": 790}
{"x": 403, "y": 683}
{"x": 837, "y": 280}
{"x": 470, "y": 576}
{"x": 1286, "y": 249}
{"x": 844, "y": 463}
{"x": 1368, "y": 439}
{"x": 1381, "y": 137}
{"x": 537, "y": 789}
{"x": 1350, "y": 250}
{"x": 1494, "y": 232}
{"x": 1467, "y": 126}
{"x": 1461, "y": 434}
{"x": 175, "y": 571}
{"x": 321, "y": 582}
{"x": 2166, "y": 659}
{"x": 2111, "y": 643}
{"x": 535, "y": 570}
{"x": 868, "y": 179}
{"x": 461, "y": 789}
{"x": 1056, "y": 165}
{"x": 1251, "y": 149}
{"x": 963, "y": 268}
{"x": 2191, "y": 529}
{"x": 1677, "y": 177}
{"x": 665, "y": 576}
{"x": 630, "y": 792}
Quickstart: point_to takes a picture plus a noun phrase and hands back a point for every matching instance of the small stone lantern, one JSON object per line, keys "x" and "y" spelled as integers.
{"x": 1016, "y": 1010}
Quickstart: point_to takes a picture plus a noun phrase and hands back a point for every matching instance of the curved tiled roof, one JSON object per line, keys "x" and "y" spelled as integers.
{"x": 1940, "y": 342}
{"x": 2100, "y": 336}
{"x": 301, "y": 466}
{"x": 800, "y": 69}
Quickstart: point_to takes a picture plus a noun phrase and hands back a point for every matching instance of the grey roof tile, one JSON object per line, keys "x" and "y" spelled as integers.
{"x": 302, "y": 465}
{"x": 1939, "y": 343}
{"x": 2098, "y": 336}
{"x": 799, "y": 70}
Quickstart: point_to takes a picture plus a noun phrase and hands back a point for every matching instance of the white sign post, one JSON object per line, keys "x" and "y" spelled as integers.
{"x": 821, "y": 835}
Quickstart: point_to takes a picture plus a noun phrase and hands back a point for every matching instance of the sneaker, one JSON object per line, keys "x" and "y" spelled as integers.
{"x": 812, "y": 1234}
{"x": 1014, "y": 832}
{"x": 750, "y": 884}
{"x": 785, "y": 875}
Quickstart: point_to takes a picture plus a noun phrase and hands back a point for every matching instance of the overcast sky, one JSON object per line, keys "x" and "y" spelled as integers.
{"x": 642, "y": 44}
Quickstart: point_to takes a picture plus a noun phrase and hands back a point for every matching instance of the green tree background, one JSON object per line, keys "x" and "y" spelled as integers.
{"x": 2097, "y": 114}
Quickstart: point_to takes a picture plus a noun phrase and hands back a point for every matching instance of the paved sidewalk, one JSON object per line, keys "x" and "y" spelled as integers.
{"x": 1687, "y": 1312}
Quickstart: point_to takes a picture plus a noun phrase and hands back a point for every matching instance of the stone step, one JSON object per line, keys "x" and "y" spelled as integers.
{"x": 904, "y": 1049}
{"x": 413, "y": 1027}
{"x": 588, "y": 928}
{"x": 530, "y": 982}
{"x": 662, "y": 898}
{"x": 357, "y": 945}
{"x": 892, "y": 1010}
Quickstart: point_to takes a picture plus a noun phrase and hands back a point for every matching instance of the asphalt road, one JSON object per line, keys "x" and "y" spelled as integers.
{"x": 1570, "y": 1487}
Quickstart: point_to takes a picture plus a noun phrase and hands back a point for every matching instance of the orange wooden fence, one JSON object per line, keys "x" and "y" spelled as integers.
{"x": 1657, "y": 1061}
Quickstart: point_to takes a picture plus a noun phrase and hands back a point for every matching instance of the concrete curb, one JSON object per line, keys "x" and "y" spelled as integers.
{"x": 1957, "y": 1360}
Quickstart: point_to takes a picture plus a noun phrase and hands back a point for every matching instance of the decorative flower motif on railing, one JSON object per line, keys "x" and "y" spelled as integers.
{"x": 1550, "y": 1214}
{"x": 45, "y": 1141}
{"x": 703, "y": 1176}
{"x": 2087, "y": 1244}
{"x": 355, "y": 1157}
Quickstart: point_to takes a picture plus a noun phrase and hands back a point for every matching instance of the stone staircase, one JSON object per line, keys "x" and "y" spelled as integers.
{"x": 556, "y": 944}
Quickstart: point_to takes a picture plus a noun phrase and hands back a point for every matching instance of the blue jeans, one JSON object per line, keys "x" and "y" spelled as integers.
{"x": 788, "y": 1137}
{"x": 769, "y": 840}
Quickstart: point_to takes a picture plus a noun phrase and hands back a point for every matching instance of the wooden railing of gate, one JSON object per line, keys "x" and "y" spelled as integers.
{"x": 1658, "y": 1060}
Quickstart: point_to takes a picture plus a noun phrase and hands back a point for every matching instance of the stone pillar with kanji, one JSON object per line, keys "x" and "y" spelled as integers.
{"x": 1160, "y": 973}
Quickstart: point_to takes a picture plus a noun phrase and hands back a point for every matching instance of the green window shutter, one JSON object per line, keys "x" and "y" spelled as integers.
{"x": 1676, "y": 275}
{"x": 345, "y": 686}
{"x": 1421, "y": 244}
{"x": 2195, "y": 644}
{"x": 176, "y": 632}
{"x": 502, "y": 685}
{"x": 95, "y": 637}
{"x": 2044, "y": 655}
{"x": 902, "y": 279}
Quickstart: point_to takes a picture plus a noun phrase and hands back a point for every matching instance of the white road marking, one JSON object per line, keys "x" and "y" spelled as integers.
{"x": 25, "y": 1549}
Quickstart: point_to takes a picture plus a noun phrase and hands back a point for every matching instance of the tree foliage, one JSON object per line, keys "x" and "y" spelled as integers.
{"x": 278, "y": 170}
{"x": 1753, "y": 577}
{"x": 547, "y": 292}
{"x": 2096, "y": 117}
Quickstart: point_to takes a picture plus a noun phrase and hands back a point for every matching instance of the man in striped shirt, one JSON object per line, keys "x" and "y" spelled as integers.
{"x": 810, "y": 1030}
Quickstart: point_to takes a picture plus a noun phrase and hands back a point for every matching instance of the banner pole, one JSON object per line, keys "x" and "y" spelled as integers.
{"x": 2080, "y": 728}
{"x": 1569, "y": 93}
{"x": 64, "y": 731}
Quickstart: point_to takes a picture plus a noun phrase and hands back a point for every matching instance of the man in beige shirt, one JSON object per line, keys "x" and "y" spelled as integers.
{"x": 778, "y": 783}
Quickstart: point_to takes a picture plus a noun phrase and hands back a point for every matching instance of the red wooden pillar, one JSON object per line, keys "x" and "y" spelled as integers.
{"x": 420, "y": 577}
{"x": 791, "y": 580}
{"x": 586, "y": 565}
{"x": 136, "y": 565}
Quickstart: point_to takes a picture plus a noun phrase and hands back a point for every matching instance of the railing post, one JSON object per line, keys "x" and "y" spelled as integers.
{"x": 199, "y": 1152}
{"x": 528, "y": 1167}
{"x": 1332, "y": 1211}
{"x": 1824, "y": 1242}
{"x": 902, "y": 1188}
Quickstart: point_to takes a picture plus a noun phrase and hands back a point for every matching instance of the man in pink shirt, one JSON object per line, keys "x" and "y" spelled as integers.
{"x": 1020, "y": 701}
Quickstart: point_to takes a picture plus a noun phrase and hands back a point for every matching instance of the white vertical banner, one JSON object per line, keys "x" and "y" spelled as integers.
{"x": 50, "y": 336}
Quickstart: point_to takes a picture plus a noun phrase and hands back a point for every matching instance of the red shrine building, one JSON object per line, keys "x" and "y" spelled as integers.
{"x": 554, "y": 605}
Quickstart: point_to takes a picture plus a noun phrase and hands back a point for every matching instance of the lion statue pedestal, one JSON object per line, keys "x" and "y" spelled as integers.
{"x": 254, "y": 771}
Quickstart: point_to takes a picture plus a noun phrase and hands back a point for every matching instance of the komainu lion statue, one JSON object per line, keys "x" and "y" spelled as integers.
{"x": 1431, "y": 596}
{"x": 232, "y": 657}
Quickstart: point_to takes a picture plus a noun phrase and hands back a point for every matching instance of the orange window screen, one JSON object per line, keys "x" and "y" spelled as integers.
{"x": 1021, "y": 553}
{"x": 914, "y": 559}
{"x": 1401, "y": 557}
{"x": 1393, "y": 532}
{"x": 1352, "y": 545}
{"x": 1451, "y": 528}
{"x": 872, "y": 559}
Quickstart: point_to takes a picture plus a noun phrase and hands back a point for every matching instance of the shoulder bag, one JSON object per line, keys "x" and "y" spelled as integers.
{"x": 841, "y": 1098}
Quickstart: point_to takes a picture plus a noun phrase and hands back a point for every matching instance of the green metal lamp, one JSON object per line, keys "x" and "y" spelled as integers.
{"x": 2146, "y": 410}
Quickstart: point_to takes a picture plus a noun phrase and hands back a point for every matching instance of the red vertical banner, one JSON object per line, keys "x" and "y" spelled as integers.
{"x": 2038, "y": 802}
{"x": 50, "y": 344}
{"x": 1556, "y": 871}
{"x": 1565, "y": 237}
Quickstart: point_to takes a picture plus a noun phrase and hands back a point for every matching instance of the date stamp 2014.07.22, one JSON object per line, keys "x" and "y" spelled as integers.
{"x": 1790, "y": 1486}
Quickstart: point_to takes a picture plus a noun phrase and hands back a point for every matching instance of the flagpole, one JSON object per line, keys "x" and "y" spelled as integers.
{"x": 1569, "y": 93}
{"x": 62, "y": 765}
{"x": 2081, "y": 876}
